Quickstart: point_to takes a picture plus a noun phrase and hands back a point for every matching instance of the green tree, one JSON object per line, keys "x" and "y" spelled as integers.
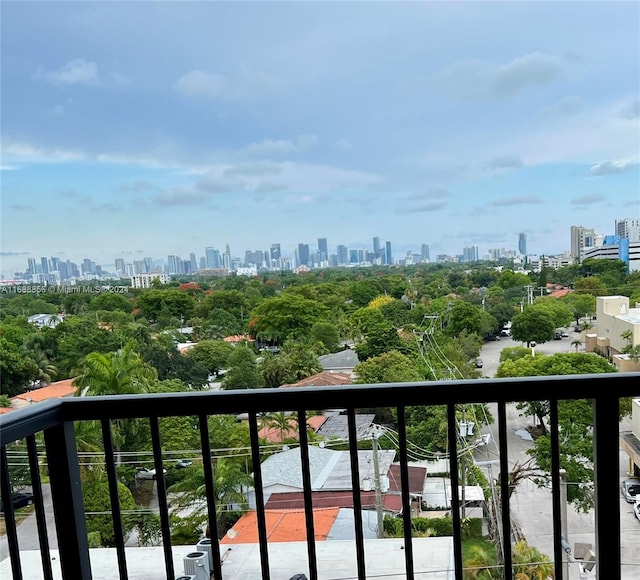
{"x": 155, "y": 304}
{"x": 97, "y": 507}
{"x": 580, "y": 304}
{"x": 286, "y": 316}
{"x": 16, "y": 369}
{"x": 243, "y": 371}
{"x": 379, "y": 339}
{"x": 388, "y": 367}
{"x": 327, "y": 334}
{"x": 111, "y": 301}
{"x": 532, "y": 325}
{"x": 211, "y": 354}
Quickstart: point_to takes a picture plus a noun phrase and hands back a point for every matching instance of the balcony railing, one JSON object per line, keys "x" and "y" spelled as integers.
{"x": 55, "y": 420}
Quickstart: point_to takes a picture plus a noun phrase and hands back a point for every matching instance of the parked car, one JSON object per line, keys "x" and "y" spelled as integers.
{"x": 146, "y": 473}
{"x": 478, "y": 363}
{"x": 557, "y": 336}
{"x": 21, "y": 499}
{"x": 505, "y": 332}
{"x": 564, "y": 334}
{"x": 630, "y": 487}
{"x": 636, "y": 509}
{"x": 577, "y": 328}
{"x": 182, "y": 463}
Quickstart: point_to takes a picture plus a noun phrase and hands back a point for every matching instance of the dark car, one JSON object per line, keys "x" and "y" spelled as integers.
{"x": 21, "y": 499}
{"x": 478, "y": 363}
{"x": 557, "y": 336}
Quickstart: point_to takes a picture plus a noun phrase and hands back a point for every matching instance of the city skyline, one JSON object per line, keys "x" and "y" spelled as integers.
{"x": 344, "y": 121}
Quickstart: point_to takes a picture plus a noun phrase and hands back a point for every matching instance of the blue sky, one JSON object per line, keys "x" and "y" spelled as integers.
{"x": 134, "y": 129}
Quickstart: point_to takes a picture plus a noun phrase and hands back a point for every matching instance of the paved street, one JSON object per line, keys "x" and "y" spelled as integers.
{"x": 531, "y": 506}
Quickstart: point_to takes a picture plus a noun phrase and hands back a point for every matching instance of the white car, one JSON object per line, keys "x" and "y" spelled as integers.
{"x": 636, "y": 509}
{"x": 148, "y": 473}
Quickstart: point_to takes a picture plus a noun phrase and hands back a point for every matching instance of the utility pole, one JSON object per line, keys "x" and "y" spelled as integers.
{"x": 376, "y": 479}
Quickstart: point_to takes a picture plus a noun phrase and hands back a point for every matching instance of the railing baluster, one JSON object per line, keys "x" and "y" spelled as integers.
{"x": 114, "y": 496}
{"x": 606, "y": 409}
{"x": 404, "y": 484}
{"x": 257, "y": 484}
{"x": 10, "y": 519}
{"x": 68, "y": 505}
{"x": 452, "y": 434}
{"x": 307, "y": 493}
{"x": 41, "y": 521}
{"x": 161, "y": 488}
{"x": 355, "y": 491}
{"x": 212, "y": 516}
{"x": 558, "y": 552}
{"x": 505, "y": 506}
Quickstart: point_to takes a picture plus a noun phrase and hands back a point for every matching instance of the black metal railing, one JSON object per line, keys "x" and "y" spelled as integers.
{"x": 55, "y": 420}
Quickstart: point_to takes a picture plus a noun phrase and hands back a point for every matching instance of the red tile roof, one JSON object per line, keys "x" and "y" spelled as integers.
{"x": 53, "y": 391}
{"x": 323, "y": 379}
{"x": 282, "y": 526}
{"x": 328, "y": 499}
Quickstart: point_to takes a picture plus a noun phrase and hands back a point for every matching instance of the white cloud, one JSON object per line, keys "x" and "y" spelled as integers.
{"x": 481, "y": 79}
{"x": 612, "y": 167}
{"x": 282, "y": 146}
{"x": 588, "y": 199}
{"x": 343, "y": 145}
{"x": 197, "y": 83}
{"x": 517, "y": 200}
{"x": 75, "y": 72}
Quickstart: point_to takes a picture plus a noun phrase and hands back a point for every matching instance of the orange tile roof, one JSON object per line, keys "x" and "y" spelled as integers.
{"x": 282, "y": 526}
{"x": 323, "y": 379}
{"x": 560, "y": 293}
{"x": 274, "y": 435}
{"x": 53, "y": 391}
{"x": 238, "y": 338}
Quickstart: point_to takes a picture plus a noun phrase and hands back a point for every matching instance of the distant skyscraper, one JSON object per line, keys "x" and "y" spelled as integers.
{"x": 148, "y": 265}
{"x": 226, "y": 258}
{"x": 31, "y": 268}
{"x": 303, "y": 254}
{"x": 194, "y": 265}
{"x": 470, "y": 254}
{"x": 522, "y": 244}
{"x": 172, "y": 265}
{"x": 275, "y": 254}
{"x": 628, "y": 228}
{"x": 343, "y": 255}
{"x": 55, "y": 264}
{"x": 581, "y": 238}
{"x": 323, "y": 249}
{"x": 388, "y": 256}
{"x": 120, "y": 270}
{"x": 376, "y": 245}
{"x": 210, "y": 254}
{"x": 45, "y": 265}
{"x": 424, "y": 253}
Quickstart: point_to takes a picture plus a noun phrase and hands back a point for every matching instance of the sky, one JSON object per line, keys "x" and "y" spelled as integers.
{"x": 133, "y": 129}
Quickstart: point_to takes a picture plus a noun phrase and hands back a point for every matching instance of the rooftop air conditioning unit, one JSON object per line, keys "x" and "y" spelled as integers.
{"x": 204, "y": 545}
{"x": 197, "y": 564}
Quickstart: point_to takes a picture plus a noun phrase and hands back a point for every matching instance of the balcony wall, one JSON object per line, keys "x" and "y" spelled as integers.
{"x": 54, "y": 419}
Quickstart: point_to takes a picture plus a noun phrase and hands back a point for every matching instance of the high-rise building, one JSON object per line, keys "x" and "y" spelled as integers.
{"x": 424, "y": 253}
{"x": 173, "y": 267}
{"x": 628, "y": 228}
{"x": 193, "y": 266}
{"x": 120, "y": 269}
{"x": 302, "y": 255}
{"x": 323, "y": 249}
{"x": 31, "y": 266}
{"x": 388, "y": 256}
{"x": 376, "y": 245}
{"x": 212, "y": 257}
{"x": 274, "y": 253}
{"x": 470, "y": 254}
{"x": 139, "y": 267}
{"x": 148, "y": 264}
{"x": 522, "y": 244}
{"x": 226, "y": 258}
{"x": 342, "y": 255}
{"x": 45, "y": 265}
{"x": 581, "y": 238}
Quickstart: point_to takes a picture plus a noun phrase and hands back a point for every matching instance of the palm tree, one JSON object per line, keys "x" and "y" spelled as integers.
{"x": 45, "y": 369}
{"x": 481, "y": 565}
{"x": 114, "y": 373}
{"x": 230, "y": 483}
{"x": 282, "y": 422}
{"x": 577, "y": 343}
{"x": 530, "y": 564}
